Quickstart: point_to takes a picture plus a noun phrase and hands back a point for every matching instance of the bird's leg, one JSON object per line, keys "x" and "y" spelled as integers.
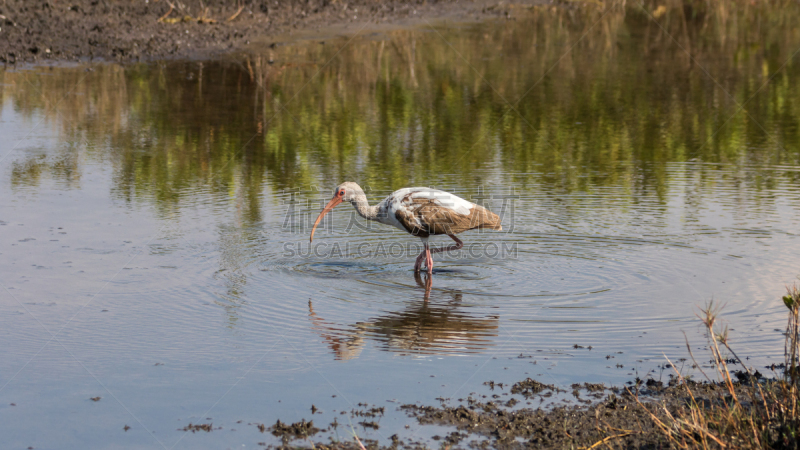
{"x": 428, "y": 252}
{"x": 428, "y": 259}
{"x": 422, "y": 258}
{"x": 418, "y": 263}
{"x": 458, "y": 245}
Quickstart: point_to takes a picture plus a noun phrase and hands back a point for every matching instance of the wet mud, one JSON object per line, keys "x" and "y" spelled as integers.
{"x": 603, "y": 417}
{"x": 127, "y": 31}
{"x": 297, "y": 430}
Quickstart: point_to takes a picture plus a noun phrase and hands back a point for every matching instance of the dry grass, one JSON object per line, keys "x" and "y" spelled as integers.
{"x": 747, "y": 413}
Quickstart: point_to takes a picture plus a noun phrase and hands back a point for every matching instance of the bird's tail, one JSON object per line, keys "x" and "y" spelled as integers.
{"x": 490, "y": 220}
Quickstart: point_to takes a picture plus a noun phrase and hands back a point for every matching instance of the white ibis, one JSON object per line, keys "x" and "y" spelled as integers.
{"x": 420, "y": 211}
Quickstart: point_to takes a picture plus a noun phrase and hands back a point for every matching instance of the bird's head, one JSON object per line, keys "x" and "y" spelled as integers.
{"x": 345, "y": 192}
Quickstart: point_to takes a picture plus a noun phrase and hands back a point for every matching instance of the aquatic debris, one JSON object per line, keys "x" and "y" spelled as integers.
{"x": 366, "y": 424}
{"x": 530, "y": 387}
{"x": 430, "y": 415}
{"x": 368, "y": 412}
{"x": 297, "y": 430}
{"x": 207, "y": 427}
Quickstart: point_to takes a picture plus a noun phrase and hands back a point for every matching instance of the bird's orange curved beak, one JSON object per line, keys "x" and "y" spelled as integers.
{"x": 331, "y": 204}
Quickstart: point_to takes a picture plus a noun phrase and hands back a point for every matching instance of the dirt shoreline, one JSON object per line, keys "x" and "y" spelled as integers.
{"x": 599, "y": 417}
{"x": 42, "y": 31}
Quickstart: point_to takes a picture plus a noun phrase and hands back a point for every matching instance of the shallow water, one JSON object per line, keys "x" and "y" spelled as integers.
{"x": 155, "y": 221}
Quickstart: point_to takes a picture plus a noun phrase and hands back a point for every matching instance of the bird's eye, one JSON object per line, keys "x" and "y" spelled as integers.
{"x": 341, "y": 193}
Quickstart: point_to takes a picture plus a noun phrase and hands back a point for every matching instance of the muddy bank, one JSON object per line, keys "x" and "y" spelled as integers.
{"x": 596, "y": 417}
{"x": 614, "y": 414}
{"x": 141, "y": 30}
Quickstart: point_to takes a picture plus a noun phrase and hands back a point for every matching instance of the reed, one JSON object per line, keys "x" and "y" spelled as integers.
{"x": 744, "y": 411}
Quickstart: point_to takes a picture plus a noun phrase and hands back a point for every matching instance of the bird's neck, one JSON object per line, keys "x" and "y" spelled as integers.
{"x": 363, "y": 208}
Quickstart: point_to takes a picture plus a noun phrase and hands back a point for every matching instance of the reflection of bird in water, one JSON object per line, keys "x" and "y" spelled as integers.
{"x": 427, "y": 284}
{"x": 423, "y": 327}
{"x": 345, "y": 343}
{"x": 420, "y": 211}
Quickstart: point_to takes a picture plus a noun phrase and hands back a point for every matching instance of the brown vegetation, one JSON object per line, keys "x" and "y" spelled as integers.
{"x": 751, "y": 413}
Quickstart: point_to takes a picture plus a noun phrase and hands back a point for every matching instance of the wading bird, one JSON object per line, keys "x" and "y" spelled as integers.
{"x": 420, "y": 211}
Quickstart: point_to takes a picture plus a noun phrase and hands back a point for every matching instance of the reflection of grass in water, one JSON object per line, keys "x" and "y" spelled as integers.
{"x": 606, "y": 97}
{"x": 747, "y": 414}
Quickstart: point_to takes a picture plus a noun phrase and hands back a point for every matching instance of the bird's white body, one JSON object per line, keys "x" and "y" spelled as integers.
{"x": 420, "y": 211}
{"x": 402, "y": 200}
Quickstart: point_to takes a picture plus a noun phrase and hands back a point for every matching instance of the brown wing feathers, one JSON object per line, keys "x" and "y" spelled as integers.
{"x": 423, "y": 217}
